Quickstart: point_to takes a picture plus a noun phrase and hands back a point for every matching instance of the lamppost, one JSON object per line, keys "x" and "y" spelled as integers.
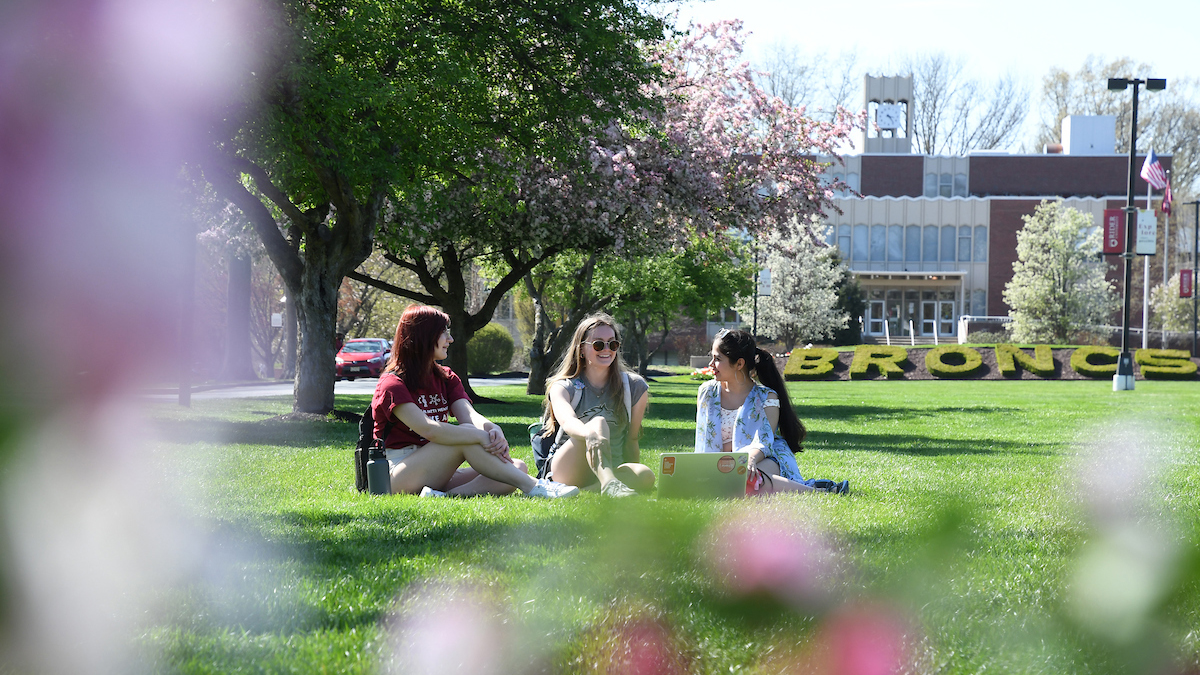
{"x": 1123, "y": 380}
{"x": 1195, "y": 253}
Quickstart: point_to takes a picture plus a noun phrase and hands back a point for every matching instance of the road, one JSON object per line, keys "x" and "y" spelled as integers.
{"x": 359, "y": 386}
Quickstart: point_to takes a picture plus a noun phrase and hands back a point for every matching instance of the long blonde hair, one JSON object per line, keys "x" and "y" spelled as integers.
{"x": 573, "y": 363}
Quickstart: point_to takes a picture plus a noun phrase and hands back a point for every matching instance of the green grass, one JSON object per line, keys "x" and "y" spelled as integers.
{"x": 966, "y": 519}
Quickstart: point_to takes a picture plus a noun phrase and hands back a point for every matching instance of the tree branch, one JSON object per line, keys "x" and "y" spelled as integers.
{"x": 389, "y": 288}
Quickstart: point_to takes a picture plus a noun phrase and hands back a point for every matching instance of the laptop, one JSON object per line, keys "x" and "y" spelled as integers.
{"x": 703, "y": 475}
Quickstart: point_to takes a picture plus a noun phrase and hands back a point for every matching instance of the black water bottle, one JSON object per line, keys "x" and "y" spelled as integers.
{"x": 379, "y": 475}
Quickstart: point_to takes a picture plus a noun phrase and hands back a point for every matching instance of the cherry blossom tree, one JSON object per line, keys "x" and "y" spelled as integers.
{"x": 715, "y": 152}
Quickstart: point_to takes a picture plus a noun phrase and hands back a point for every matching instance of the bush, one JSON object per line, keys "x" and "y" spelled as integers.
{"x": 490, "y": 350}
{"x": 1040, "y": 364}
{"x": 886, "y": 361}
{"x": 1098, "y": 361}
{"x": 810, "y": 364}
{"x": 987, "y": 337}
{"x": 1165, "y": 364}
{"x": 936, "y": 364}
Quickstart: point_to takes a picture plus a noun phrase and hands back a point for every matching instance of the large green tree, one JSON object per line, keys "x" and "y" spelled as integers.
{"x": 1058, "y": 285}
{"x": 362, "y": 101}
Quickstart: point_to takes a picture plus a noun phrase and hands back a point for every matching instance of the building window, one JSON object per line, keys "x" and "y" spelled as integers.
{"x": 931, "y": 182}
{"x": 878, "y": 243}
{"x": 912, "y": 243}
{"x": 960, "y": 185}
{"x": 862, "y": 245}
{"x": 949, "y": 248}
{"x": 964, "y": 243}
{"x": 843, "y": 241}
{"x": 852, "y": 181}
{"x": 981, "y": 244}
{"x": 931, "y": 244}
{"x": 895, "y": 243}
{"x": 979, "y": 302}
{"x": 945, "y": 185}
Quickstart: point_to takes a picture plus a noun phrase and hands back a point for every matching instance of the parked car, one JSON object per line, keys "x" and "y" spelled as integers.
{"x": 363, "y": 357}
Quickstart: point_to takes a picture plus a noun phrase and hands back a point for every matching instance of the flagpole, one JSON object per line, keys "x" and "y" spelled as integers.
{"x": 1146, "y": 281}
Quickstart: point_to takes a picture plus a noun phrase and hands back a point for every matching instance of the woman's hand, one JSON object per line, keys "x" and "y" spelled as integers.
{"x": 496, "y": 443}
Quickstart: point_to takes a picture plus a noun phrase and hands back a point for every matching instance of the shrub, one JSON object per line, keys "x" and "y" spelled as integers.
{"x": 1098, "y": 361}
{"x": 490, "y": 350}
{"x": 987, "y": 337}
{"x": 810, "y": 364}
{"x": 1165, "y": 364}
{"x": 1040, "y": 364}
{"x": 886, "y": 360}
{"x": 937, "y": 365}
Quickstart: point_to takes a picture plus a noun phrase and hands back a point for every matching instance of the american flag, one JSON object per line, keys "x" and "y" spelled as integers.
{"x": 1153, "y": 173}
{"x": 1166, "y": 202}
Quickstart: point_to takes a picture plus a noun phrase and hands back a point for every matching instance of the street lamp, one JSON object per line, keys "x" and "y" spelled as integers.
{"x": 1123, "y": 380}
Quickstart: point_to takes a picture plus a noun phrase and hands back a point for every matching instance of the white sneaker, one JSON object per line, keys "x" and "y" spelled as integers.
{"x": 548, "y": 489}
{"x": 430, "y": 492}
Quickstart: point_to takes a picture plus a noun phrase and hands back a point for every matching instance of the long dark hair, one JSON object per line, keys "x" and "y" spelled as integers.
{"x": 417, "y": 334}
{"x": 738, "y": 344}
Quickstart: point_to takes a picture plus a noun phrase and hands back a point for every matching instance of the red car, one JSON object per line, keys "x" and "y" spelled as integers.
{"x": 363, "y": 357}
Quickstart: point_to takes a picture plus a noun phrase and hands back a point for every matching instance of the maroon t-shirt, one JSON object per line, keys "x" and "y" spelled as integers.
{"x": 434, "y": 400}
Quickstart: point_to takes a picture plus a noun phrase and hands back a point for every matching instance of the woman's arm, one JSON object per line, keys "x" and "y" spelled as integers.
{"x": 633, "y": 451}
{"x": 466, "y": 413}
{"x": 564, "y": 412}
{"x": 442, "y": 433}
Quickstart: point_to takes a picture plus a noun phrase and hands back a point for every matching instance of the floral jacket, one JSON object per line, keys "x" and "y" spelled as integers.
{"x": 752, "y": 431}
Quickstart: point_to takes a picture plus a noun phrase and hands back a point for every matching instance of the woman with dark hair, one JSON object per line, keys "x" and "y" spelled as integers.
{"x": 412, "y": 406}
{"x": 736, "y": 414}
{"x": 594, "y": 407}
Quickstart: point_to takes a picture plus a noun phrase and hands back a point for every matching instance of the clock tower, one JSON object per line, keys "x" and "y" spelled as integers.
{"x": 888, "y": 102}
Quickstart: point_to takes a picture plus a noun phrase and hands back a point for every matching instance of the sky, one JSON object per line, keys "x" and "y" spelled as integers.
{"x": 1023, "y": 37}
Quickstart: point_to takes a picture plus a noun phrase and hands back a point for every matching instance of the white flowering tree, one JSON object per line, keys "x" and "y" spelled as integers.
{"x": 1168, "y": 310}
{"x": 1058, "y": 285}
{"x": 803, "y": 304}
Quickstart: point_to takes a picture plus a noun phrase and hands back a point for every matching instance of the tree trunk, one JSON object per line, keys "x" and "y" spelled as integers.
{"x": 238, "y": 364}
{"x": 317, "y": 309}
{"x": 291, "y": 338}
{"x": 539, "y": 363}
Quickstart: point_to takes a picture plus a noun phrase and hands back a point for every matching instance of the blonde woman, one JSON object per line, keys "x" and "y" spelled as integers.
{"x": 598, "y": 405}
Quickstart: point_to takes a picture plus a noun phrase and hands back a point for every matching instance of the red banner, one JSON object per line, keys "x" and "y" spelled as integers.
{"x": 1185, "y": 283}
{"x": 1114, "y": 231}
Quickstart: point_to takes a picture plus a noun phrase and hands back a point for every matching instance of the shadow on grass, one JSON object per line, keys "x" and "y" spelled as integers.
{"x": 925, "y": 446}
{"x": 293, "y": 434}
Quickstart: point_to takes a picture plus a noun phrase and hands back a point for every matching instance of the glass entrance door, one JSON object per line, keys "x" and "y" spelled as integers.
{"x": 875, "y": 318}
{"x": 946, "y": 317}
{"x": 928, "y": 317}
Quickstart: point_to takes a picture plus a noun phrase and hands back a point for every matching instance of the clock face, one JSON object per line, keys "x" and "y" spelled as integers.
{"x": 887, "y": 116}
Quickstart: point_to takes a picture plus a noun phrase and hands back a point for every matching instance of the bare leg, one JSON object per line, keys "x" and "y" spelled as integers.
{"x": 435, "y": 465}
{"x": 469, "y": 483}
{"x": 580, "y": 463}
{"x": 637, "y": 476}
{"x": 776, "y": 483}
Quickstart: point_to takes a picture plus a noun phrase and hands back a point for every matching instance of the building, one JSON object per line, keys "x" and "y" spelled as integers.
{"x": 933, "y": 238}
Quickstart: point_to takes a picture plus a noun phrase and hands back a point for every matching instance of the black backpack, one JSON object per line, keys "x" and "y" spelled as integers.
{"x": 366, "y": 441}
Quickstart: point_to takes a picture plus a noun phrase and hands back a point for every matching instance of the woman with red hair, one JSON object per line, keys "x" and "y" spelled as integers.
{"x": 412, "y": 406}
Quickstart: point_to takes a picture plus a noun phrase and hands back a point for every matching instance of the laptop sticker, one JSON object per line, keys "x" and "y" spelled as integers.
{"x": 668, "y": 465}
{"x": 725, "y": 464}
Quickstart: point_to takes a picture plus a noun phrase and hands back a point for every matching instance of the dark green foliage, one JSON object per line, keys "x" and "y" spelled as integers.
{"x": 968, "y": 359}
{"x": 490, "y": 350}
{"x": 852, "y": 302}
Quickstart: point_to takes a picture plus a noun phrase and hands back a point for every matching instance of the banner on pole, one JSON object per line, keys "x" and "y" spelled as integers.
{"x": 764, "y": 281}
{"x": 1147, "y": 232}
{"x": 1185, "y": 283}
{"x": 1114, "y": 231}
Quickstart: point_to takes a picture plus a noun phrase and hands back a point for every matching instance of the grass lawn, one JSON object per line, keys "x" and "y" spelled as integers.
{"x": 1013, "y": 527}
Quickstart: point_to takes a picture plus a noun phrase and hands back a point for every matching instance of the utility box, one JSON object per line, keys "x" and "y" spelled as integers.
{"x": 1089, "y": 135}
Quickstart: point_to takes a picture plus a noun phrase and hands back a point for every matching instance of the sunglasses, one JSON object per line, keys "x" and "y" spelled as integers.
{"x": 598, "y": 345}
{"x": 722, "y": 333}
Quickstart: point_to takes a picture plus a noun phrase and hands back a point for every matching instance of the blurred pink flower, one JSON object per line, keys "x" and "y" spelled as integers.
{"x": 764, "y": 549}
{"x": 863, "y": 640}
{"x": 442, "y": 629}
